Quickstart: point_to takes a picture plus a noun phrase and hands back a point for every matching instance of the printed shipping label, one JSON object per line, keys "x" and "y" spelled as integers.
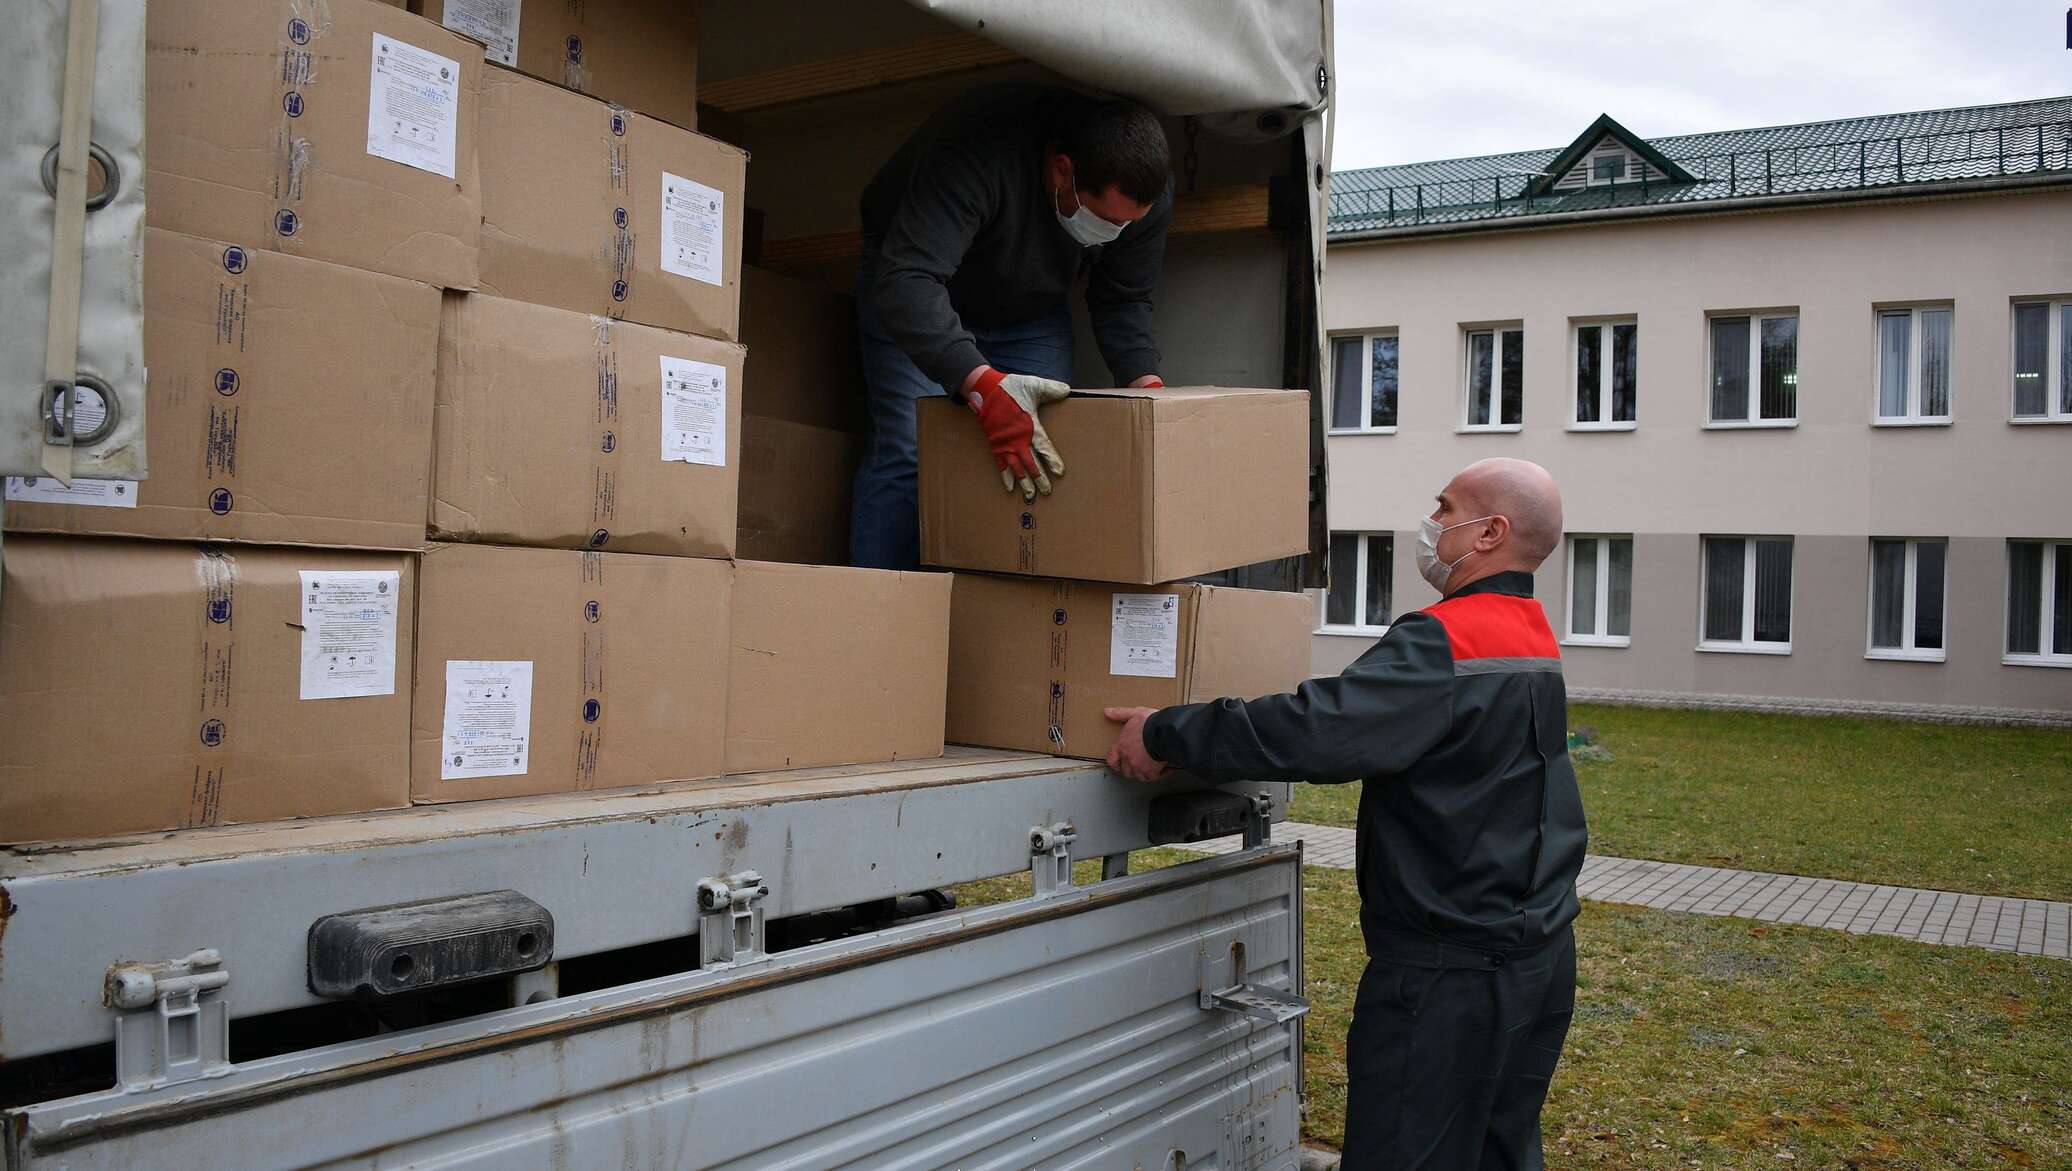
{"x": 413, "y": 106}
{"x": 349, "y": 632}
{"x": 488, "y": 719}
{"x": 93, "y": 493}
{"x": 694, "y": 412}
{"x": 493, "y": 22}
{"x": 1144, "y": 636}
{"x": 694, "y": 233}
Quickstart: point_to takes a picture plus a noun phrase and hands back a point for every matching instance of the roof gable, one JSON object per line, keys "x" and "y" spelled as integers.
{"x": 1604, "y": 127}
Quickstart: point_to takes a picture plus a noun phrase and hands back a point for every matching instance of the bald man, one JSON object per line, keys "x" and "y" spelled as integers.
{"x": 1470, "y": 831}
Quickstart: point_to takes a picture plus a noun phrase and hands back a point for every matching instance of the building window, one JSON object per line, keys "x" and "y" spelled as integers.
{"x": 2039, "y": 603}
{"x": 1361, "y": 569}
{"x": 1363, "y": 382}
{"x": 1496, "y": 379}
{"x": 1914, "y": 365}
{"x": 2043, "y": 361}
{"x": 1607, "y": 374}
{"x": 1608, "y": 168}
{"x": 1907, "y": 591}
{"x": 1600, "y": 590}
{"x": 1747, "y": 595}
{"x": 1755, "y": 370}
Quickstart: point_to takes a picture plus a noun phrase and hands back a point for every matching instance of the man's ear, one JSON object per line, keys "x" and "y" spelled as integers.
{"x": 1496, "y": 532}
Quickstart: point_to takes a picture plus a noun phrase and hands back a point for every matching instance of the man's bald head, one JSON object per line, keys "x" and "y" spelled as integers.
{"x": 1522, "y": 492}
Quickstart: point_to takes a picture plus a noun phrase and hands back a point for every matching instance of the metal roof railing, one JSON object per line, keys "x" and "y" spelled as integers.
{"x": 1779, "y": 170}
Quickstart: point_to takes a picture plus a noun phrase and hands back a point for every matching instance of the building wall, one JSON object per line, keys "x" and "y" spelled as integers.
{"x": 1831, "y": 481}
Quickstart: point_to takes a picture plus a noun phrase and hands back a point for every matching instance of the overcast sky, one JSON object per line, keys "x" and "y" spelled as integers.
{"x": 1434, "y": 79}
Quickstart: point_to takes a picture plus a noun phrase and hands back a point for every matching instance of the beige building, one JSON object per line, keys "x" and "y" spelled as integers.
{"x": 1807, "y": 391}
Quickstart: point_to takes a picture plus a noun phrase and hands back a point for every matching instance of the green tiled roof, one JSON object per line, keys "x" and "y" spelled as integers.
{"x": 2018, "y": 140}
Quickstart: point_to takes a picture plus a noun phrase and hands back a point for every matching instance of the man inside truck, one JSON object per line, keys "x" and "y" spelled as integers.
{"x": 973, "y": 234}
{"x": 1470, "y": 831}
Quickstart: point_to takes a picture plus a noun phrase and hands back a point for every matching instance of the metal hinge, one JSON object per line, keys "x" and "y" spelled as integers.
{"x": 1050, "y": 858}
{"x": 172, "y": 1023}
{"x": 730, "y": 920}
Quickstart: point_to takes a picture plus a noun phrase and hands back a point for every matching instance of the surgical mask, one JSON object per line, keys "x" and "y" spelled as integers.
{"x": 1086, "y": 227}
{"x": 1429, "y": 567}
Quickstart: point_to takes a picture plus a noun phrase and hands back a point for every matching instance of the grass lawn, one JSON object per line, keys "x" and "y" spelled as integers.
{"x": 1985, "y": 810}
{"x": 1720, "y": 1043}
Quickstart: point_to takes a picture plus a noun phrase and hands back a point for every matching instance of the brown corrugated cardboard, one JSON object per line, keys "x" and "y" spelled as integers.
{"x": 835, "y": 666}
{"x": 1159, "y": 485}
{"x": 569, "y": 431}
{"x": 282, "y": 126}
{"x": 573, "y": 209}
{"x": 272, "y": 417}
{"x": 1033, "y": 662}
{"x": 637, "y": 53}
{"x": 795, "y": 491}
{"x": 804, "y": 365}
{"x": 551, "y": 671}
{"x": 154, "y": 686}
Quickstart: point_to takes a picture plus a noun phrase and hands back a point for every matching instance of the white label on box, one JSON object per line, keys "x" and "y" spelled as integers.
{"x": 349, "y": 632}
{"x": 488, "y": 719}
{"x": 694, "y": 233}
{"x": 1144, "y": 636}
{"x": 493, "y": 22}
{"x": 94, "y": 493}
{"x": 694, "y": 412}
{"x": 413, "y": 106}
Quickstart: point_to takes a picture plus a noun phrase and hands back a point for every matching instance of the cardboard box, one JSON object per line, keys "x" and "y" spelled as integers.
{"x": 795, "y": 488}
{"x": 567, "y": 431}
{"x": 574, "y": 215}
{"x": 341, "y": 132}
{"x": 805, "y": 366}
{"x": 1033, "y": 663}
{"x": 1158, "y": 485}
{"x": 637, "y": 53}
{"x": 156, "y": 686}
{"x": 551, "y": 671}
{"x": 271, "y": 415}
{"x": 835, "y": 666}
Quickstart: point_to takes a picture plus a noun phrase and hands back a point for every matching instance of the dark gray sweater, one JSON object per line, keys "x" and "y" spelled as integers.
{"x": 961, "y": 229}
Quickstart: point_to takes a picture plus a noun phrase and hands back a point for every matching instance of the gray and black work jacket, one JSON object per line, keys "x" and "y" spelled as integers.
{"x": 1471, "y": 827}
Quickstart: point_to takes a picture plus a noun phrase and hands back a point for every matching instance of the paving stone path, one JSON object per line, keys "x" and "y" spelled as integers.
{"x": 2025, "y": 926}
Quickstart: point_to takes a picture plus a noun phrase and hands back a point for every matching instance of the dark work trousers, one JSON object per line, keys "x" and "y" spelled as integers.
{"x": 1450, "y": 1052}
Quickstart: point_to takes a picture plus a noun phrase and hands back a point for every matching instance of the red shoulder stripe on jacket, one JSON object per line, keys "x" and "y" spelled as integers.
{"x": 1496, "y": 626}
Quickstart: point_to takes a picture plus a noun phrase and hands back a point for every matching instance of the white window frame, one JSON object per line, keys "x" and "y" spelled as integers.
{"x": 2056, "y": 376}
{"x": 1496, "y": 379}
{"x": 1913, "y": 417}
{"x": 1604, "y": 593}
{"x": 1747, "y": 644}
{"x": 1357, "y": 629}
{"x": 2047, "y": 632}
{"x": 1604, "y": 371}
{"x": 1367, "y": 381}
{"x": 1907, "y": 653}
{"x": 1754, "y": 421}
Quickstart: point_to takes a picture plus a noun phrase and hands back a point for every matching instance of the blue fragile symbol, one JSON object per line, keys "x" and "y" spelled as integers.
{"x": 611, "y": 442}
{"x": 212, "y": 733}
{"x": 219, "y": 502}
{"x": 284, "y": 222}
{"x": 219, "y": 610}
{"x": 619, "y": 216}
{"x": 1028, "y": 520}
{"x": 619, "y": 125}
{"x": 598, "y": 538}
{"x": 592, "y": 611}
{"x": 1057, "y": 616}
{"x": 233, "y": 259}
{"x": 591, "y": 710}
{"x": 618, "y": 290}
{"x": 292, "y": 103}
{"x": 226, "y": 382}
{"x": 298, "y": 31}
{"x": 575, "y": 49}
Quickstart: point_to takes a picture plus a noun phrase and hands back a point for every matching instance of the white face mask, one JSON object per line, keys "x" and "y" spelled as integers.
{"x": 1429, "y": 567}
{"x": 1085, "y": 226}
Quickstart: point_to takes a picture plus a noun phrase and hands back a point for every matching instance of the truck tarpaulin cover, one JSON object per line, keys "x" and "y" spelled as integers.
{"x": 1178, "y": 56}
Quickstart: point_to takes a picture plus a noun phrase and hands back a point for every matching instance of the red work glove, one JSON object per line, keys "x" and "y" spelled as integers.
{"x": 1006, "y": 406}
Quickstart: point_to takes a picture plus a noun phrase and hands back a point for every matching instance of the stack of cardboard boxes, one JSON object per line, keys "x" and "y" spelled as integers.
{"x": 445, "y": 434}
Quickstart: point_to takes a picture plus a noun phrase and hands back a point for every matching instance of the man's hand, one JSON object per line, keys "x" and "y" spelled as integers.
{"x": 1006, "y": 406}
{"x": 1129, "y": 756}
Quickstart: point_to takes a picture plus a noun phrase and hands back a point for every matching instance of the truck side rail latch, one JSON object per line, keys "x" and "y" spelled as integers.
{"x": 172, "y": 1023}
{"x": 1179, "y": 818}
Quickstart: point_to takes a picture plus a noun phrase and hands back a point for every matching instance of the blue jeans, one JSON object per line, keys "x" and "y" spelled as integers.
{"x": 885, "y": 513}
